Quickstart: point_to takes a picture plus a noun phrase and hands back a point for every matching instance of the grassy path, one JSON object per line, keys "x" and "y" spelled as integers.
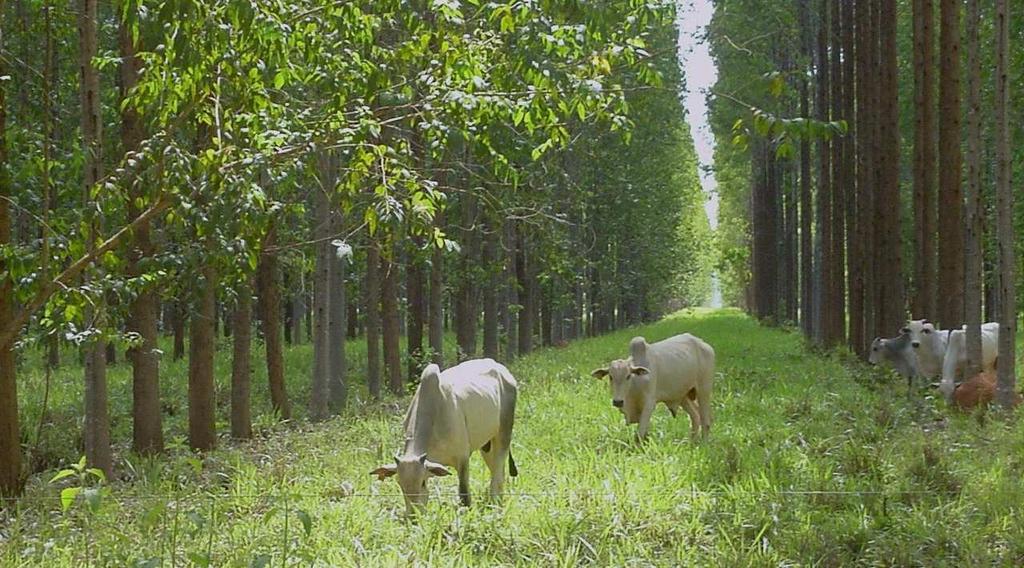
{"x": 811, "y": 462}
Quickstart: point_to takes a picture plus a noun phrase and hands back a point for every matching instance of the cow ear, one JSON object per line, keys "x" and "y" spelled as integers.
{"x": 385, "y": 471}
{"x": 599, "y": 373}
{"x": 640, "y": 371}
{"x": 437, "y": 469}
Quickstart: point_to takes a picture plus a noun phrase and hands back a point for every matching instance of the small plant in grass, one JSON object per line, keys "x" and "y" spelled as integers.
{"x": 90, "y": 485}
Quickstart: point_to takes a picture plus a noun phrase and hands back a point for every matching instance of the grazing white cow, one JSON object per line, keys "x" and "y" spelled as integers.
{"x": 898, "y": 353}
{"x": 467, "y": 407}
{"x": 954, "y": 363}
{"x": 929, "y": 344}
{"x": 677, "y": 371}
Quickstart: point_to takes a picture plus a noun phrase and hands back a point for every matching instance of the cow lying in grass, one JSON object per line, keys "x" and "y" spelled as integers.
{"x": 467, "y": 407}
{"x": 677, "y": 371}
{"x": 978, "y": 390}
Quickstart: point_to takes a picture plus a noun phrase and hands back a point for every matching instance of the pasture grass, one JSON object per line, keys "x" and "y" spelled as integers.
{"x": 813, "y": 460}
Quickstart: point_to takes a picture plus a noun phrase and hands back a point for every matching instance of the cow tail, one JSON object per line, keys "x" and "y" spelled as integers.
{"x": 512, "y": 465}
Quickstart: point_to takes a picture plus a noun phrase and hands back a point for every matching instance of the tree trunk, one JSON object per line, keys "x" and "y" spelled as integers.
{"x": 866, "y": 98}
{"x": 241, "y": 363}
{"x": 389, "y": 267}
{"x": 972, "y": 211}
{"x": 97, "y": 421}
{"x": 925, "y": 235}
{"x": 352, "y": 321}
{"x": 891, "y": 303}
{"x": 202, "y": 433}
{"x": 372, "y": 303}
{"x": 526, "y": 295}
{"x": 1004, "y": 215}
{"x": 10, "y": 436}
{"x": 837, "y": 295}
{"x": 951, "y": 250}
{"x": 512, "y": 293}
{"x": 436, "y": 304}
{"x": 321, "y": 296}
{"x": 147, "y": 433}
{"x": 492, "y": 266}
{"x": 854, "y": 288}
{"x": 466, "y": 308}
{"x": 827, "y": 268}
{"x": 416, "y": 310}
{"x": 178, "y": 325}
{"x": 806, "y": 210}
{"x": 268, "y": 278}
{"x": 337, "y": 388}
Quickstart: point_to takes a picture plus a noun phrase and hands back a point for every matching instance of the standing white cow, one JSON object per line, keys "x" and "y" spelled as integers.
{"x": 467, "y": 407}
{"x": 929, "y": 344}
{"x": 677, "y": 371}
{"x": 954, "y": 363}
{"x": 898, "y": 353}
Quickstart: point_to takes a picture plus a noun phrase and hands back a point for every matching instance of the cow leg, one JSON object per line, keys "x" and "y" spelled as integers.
{"x": 645, "y": 421}
{"x": 495, "y": 460}
{"x": 704, "y": 409}
{"x": 695, "y": 423}
{"x": 464, "y": 482}
{"x": 672, "y": 408}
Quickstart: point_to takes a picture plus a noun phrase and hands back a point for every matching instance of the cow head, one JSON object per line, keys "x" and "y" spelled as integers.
{"x": 877, "y": 346}
{"x": 413, "y": 473}
{"x": 622, "y": 373}
{"x": 920, "y": 332}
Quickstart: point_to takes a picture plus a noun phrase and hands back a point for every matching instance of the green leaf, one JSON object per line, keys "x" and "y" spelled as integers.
{"x": 261, "y": 561}
{"x": 67, "y": 497}
{"x": 98, "y": 473}
{"x": 62, "y": 474}
{"x": 307, "y": 521}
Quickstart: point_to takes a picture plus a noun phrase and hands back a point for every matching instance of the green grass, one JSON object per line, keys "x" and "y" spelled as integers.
{"x": 812, "y": 461}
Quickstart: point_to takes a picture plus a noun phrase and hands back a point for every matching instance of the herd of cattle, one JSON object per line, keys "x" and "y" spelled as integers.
{"x": 472, "y": 406}
{"x": 920, "y": 350}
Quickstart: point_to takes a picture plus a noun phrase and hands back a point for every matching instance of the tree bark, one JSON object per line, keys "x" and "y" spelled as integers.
{"x": 338, "y": 385}
{"x": 826, "y": 270}
{"x": 891, "y": 302}
{"x": 97, "y": 421}
{"x": 972, "y": 210}
{"x": 466, "y": 308}
{"x": 390, "y": 269}
{"x": 10, "y": 436}
{"x": 837, "y": 295}
{"x": 435, "y": 304}
{"x": 806, "y": 209}
{"x": 512, "y": 293}
{"x": 318, "y": 394}
{"x": 951, "y": 250}
{"x": 267, "y": 282}
{"x": 178, "y": 325}
{"x": 1005, "y": 392}
{"x": 373, "y": 323}
{"x": 490, "y": 292}
{"x": 416, "y": 310}
{"x": 147, "y": 433}
{"x": 526, "y": 295}
{"x": 855, "y": 311}
{"x": 202, "y": 433}
{"x": 241, "y": 365}
{"x": 925, "y": 235}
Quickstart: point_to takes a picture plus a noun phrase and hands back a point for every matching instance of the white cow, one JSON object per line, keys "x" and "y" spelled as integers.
{"x": 677, "y": 371}
{"x": 954, "y": 363}
{"x": 929, "y": 344}
{"x": 898, "y": 353}
{"x": 467, "y": 407}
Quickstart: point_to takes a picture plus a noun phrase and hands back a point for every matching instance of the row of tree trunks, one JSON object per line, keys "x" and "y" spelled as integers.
{"x": 926, "y": 278}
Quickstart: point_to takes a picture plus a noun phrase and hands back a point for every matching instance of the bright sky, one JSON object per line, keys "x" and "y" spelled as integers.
{"x": 701, "y": 74}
